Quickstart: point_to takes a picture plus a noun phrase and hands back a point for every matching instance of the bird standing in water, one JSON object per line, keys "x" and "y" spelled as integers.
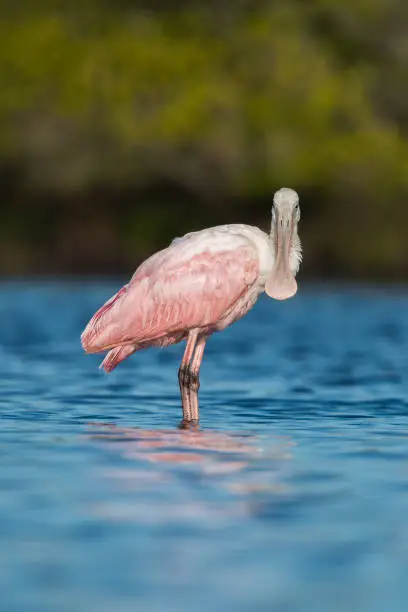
{"x": 198, "y": 285}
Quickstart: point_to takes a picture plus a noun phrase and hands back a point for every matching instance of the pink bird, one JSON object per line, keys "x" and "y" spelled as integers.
{"x": 198, "y": 285}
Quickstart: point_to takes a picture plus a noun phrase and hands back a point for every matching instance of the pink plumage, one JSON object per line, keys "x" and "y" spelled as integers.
{"x": 198, "y": 285}
{"x": 190, "y": 285}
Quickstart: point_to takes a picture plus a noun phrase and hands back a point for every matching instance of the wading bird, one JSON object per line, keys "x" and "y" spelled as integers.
{"x": 198, "y": 285}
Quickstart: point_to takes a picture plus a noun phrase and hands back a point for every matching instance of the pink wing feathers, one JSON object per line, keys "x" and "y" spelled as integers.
{"x": 186, "y": 286}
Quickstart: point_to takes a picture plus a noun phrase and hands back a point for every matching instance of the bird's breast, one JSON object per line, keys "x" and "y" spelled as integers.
{"x": 240, "y": 308}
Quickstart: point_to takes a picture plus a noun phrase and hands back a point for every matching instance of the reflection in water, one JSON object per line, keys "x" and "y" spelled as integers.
{"x": 191, "y": 519}
{"x": 218, "y": 474}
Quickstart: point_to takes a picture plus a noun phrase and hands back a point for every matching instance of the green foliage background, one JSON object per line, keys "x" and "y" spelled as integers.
{"x": 125, "y": 123}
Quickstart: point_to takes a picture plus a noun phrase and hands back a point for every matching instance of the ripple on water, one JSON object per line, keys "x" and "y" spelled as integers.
{"x": 291, "y": 496}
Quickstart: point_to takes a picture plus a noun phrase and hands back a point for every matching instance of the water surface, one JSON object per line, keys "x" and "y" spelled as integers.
{"x": 292, "y": 496}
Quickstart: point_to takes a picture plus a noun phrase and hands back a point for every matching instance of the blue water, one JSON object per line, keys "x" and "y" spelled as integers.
{"x": 293, "y": 495}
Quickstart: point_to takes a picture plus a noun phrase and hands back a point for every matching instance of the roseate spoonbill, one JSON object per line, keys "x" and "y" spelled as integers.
{"x": 198, "y": 285}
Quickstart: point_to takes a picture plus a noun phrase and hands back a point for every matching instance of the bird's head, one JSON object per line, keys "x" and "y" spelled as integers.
{"x": 281, "y": 283}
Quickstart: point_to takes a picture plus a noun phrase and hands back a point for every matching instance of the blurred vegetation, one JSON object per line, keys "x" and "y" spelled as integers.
{"x": 125, "y": 123}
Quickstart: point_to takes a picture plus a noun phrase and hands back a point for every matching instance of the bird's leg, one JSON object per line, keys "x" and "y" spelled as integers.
{"x": 190, "y": 413}
{"x": 190, "y": 366}
{"x": 196, "y": 364}
{"x": 190, "y": 409}
{"x": 190, "y": 386}
{"x": 184, "y": 370}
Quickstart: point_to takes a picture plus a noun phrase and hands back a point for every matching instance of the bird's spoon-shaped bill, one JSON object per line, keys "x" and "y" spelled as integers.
{"x": 281, "y": 283}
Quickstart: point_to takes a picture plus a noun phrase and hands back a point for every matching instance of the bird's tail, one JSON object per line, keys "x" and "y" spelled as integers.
{"x": 92, "y": 338}
{"x": 116, "y": 355}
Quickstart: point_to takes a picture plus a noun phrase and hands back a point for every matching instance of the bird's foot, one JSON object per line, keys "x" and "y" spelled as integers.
{"x": 188, "y": 379}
